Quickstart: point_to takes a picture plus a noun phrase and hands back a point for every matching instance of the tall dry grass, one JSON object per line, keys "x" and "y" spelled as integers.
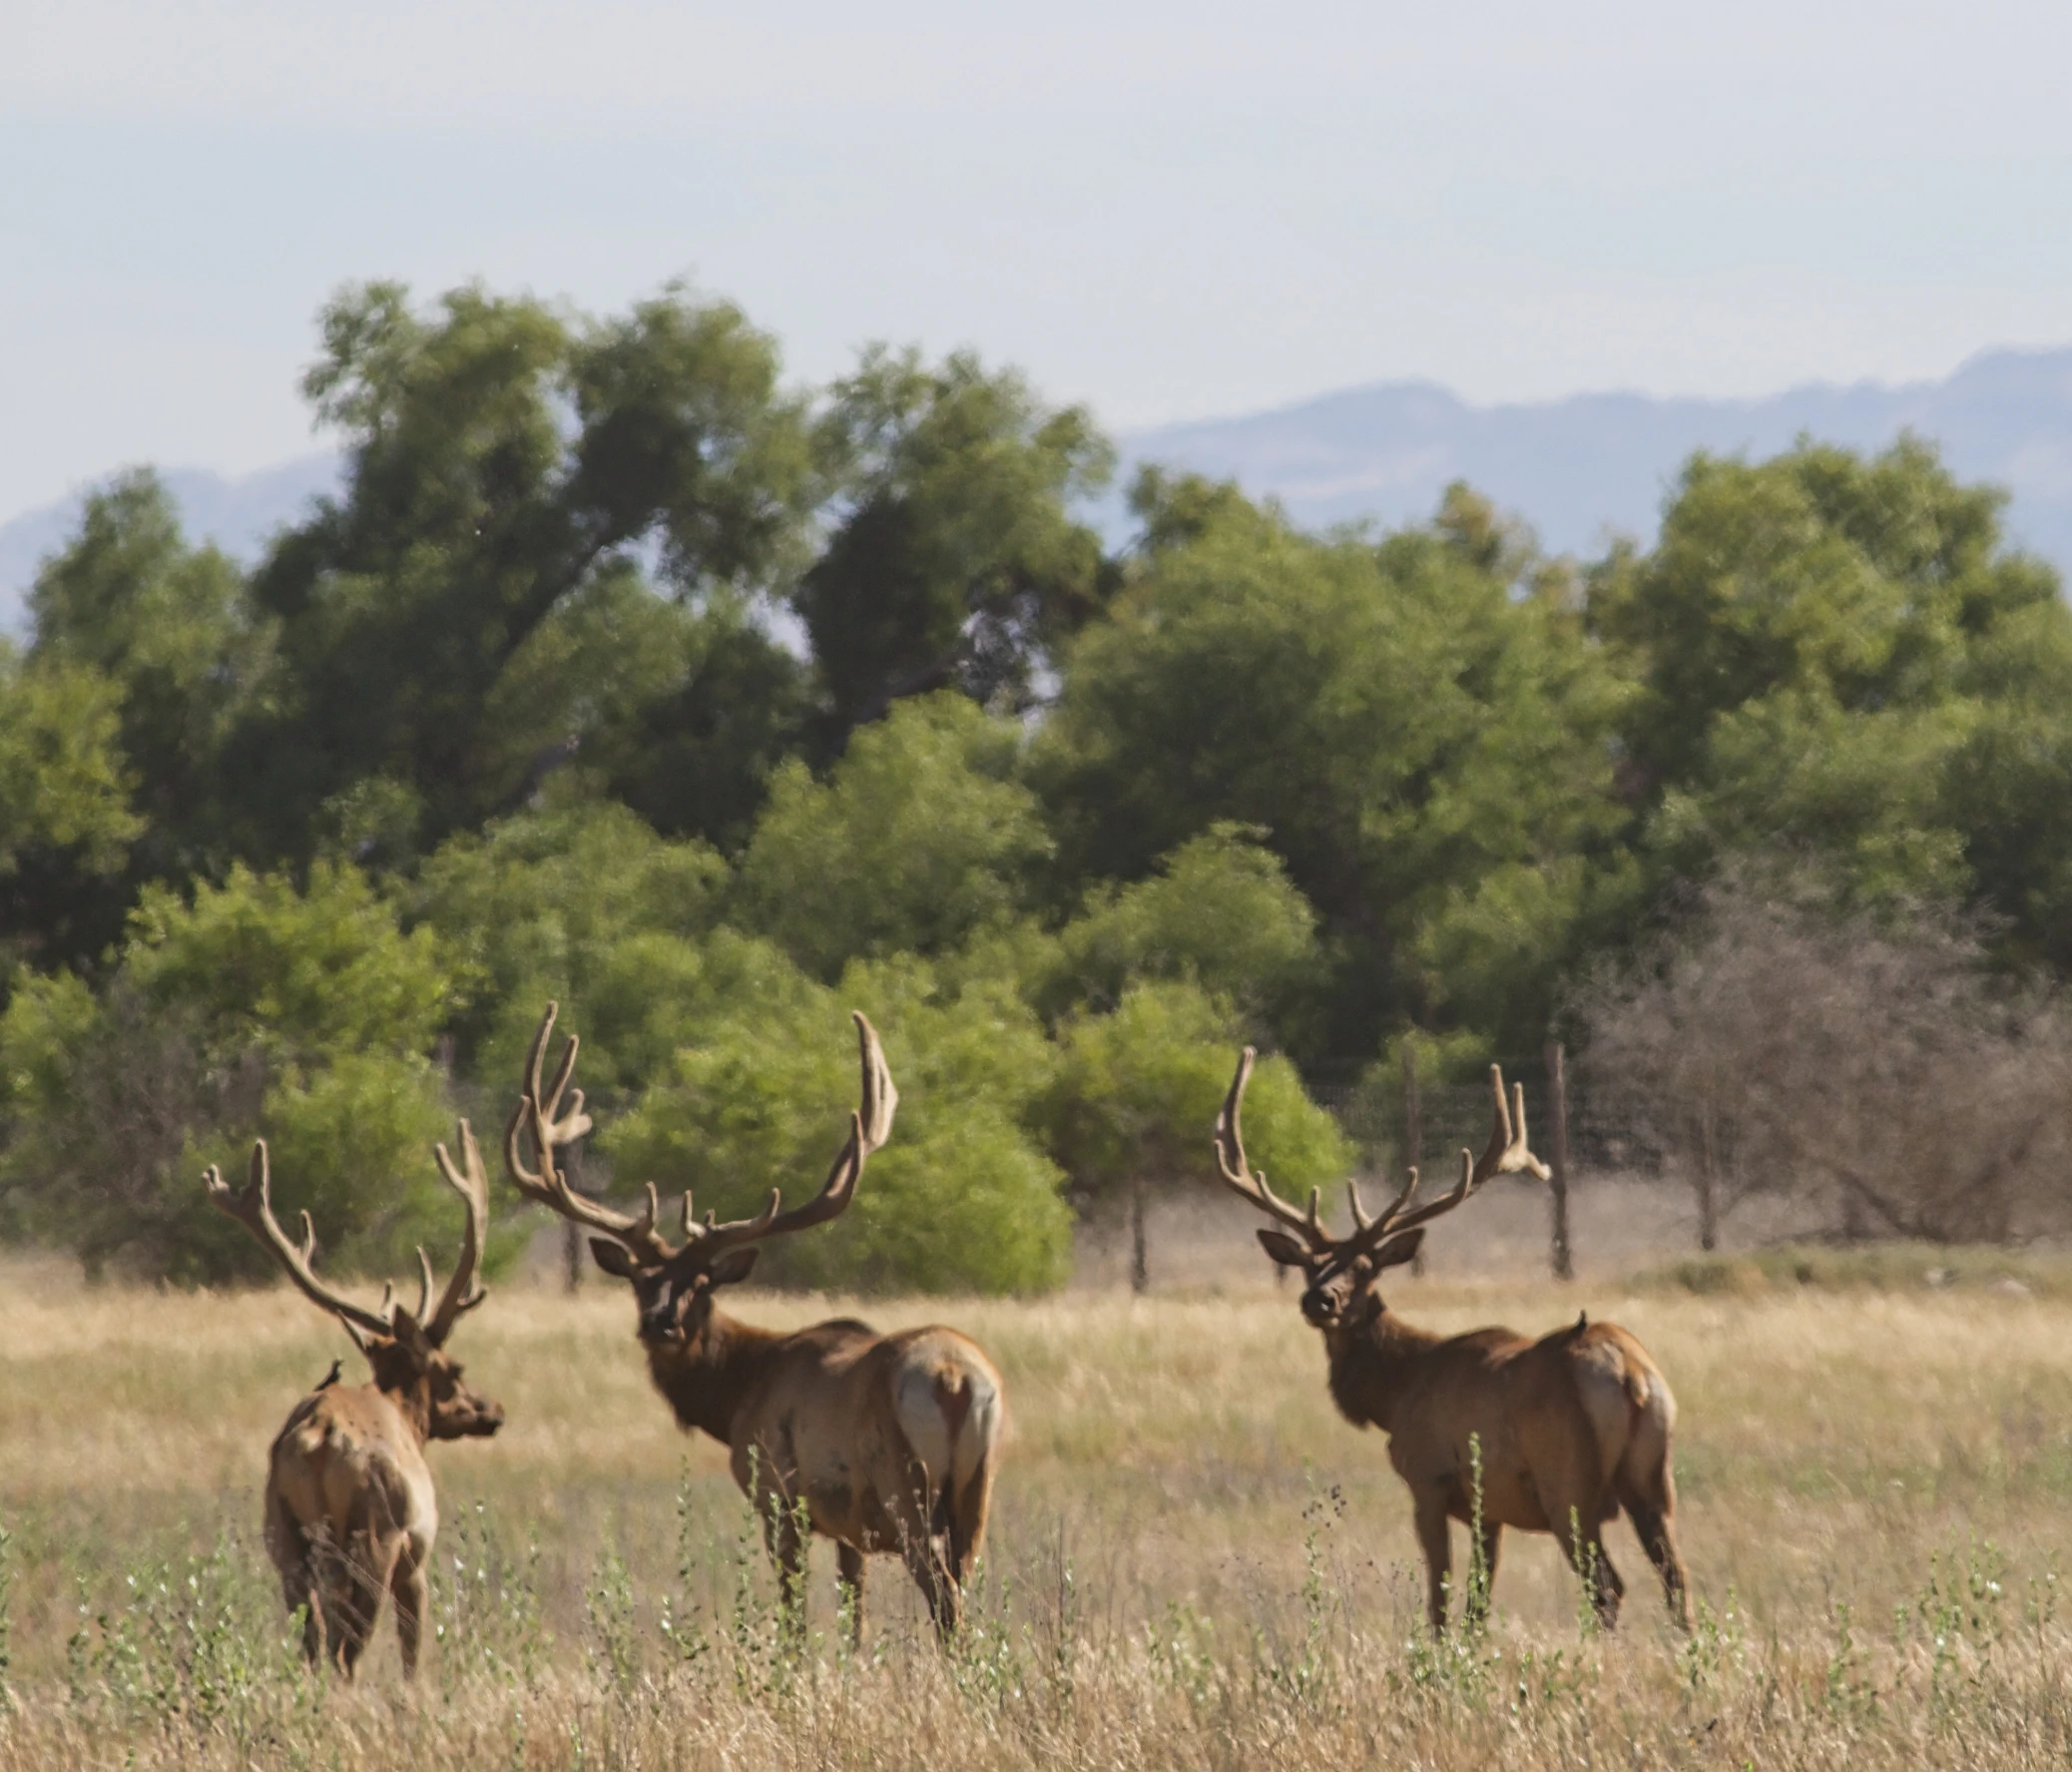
{"x": 1192, "y": 1562}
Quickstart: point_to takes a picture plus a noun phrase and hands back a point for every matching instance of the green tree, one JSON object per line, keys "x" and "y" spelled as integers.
{"x": 257, "y": 1010}
{"x": 920, "y": 839}
{"x": 1404, "y": 720}
{"x": 961, "y": 1199}
{"x": 955, "y": 560}
{"x": 65, "y": 822}
{"x": 1137, "y": 1091}
{"x": 587, "y": 906}
{"x": 1220, "y": 912}
{"x": 167, "y": 623}
{"x": 459, "y": 623}
{"x": 1837, "y": 656}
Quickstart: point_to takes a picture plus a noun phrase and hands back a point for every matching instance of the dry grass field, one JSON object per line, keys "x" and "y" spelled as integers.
{"x": 1192, "y": 1560}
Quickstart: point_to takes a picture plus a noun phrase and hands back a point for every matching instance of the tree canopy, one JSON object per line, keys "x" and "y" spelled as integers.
{"x": 623, "y": 672}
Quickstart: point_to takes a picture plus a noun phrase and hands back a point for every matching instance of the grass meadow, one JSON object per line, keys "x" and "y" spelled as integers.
{"x": 1192, "y": 1560}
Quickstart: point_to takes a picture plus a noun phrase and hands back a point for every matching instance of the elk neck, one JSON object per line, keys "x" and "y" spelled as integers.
{"x": 412, "y": 1401}
{"x": 705, "y": 1378}
{"x": 1372, "y": 1366}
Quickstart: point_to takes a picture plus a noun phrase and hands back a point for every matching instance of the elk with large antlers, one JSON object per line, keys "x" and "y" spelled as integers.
{"x": 1561, "y": 1433}
{"x": 350, "y": 1511}
{"x": 883, "y": 1442}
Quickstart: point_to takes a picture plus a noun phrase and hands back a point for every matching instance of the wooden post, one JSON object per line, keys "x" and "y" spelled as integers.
{"x": 1708, "y": 1182}
{"x": 1557, "y": 1095}
{"x": 1140, "y": 1253}
{"x": 1414, "y": 1130}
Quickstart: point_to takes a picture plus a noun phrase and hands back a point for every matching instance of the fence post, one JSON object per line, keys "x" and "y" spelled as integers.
{"x": 1557, "y": 1094}
{"x": 1414, "y": 1128}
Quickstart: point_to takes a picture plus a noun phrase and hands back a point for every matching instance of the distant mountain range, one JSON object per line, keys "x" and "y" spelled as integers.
{"x": 1582, "y": 468}
{"x": 1577, "y": 470}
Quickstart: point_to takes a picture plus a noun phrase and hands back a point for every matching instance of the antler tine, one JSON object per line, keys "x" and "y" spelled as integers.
{"x": 463, "y": 1289}
{"x": 1242, "y": 1179}
{"x": 569, "y": 1127}
{"x": 869, "y": 1126}
{"x": 424, "y": 1284}
{"x": 548, "y": 1186}
{"x": 253, "y": 1207}
{"x": 1506, "y": 1154}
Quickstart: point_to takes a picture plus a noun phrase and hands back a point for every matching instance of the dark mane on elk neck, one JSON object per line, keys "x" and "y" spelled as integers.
{"x": 884, "y": 1443}
{"x": 1489, "y": 1428}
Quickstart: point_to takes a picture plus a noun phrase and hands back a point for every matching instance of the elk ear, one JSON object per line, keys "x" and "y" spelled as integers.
{"x": 1283, "y": 1249}
{"x": 614, "y": 1258}
{"x": 733, "y": 1266}
{"x": 1398, "y": 1250}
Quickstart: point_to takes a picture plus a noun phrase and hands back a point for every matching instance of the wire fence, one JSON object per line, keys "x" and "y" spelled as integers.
{"x": 1376, "y": 1115}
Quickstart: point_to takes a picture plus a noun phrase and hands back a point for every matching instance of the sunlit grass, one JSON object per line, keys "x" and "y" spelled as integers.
{"x": 1193, "y": 1559}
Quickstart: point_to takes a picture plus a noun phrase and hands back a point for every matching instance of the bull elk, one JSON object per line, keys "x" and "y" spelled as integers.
{"x": 350, "y": 1511}
{"x": 1568, "y": 1428}
{"x": 884, "y": 1443}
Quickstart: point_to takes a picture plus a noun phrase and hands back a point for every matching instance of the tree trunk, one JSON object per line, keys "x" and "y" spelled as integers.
{"x": 1413, "y": 1133}
{"x": 1708, "y": 1191}
{"x": 1557, "y": 1095}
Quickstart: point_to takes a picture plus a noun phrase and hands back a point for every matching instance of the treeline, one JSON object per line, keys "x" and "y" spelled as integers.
{"x": 622, "y": 673}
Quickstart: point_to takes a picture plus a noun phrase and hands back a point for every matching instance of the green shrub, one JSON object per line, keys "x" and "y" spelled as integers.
{"x": 305, "y": 1016}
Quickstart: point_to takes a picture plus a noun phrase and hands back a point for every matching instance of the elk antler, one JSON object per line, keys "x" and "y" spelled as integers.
{"x": 536, "y": 1113}
{"x": 1507, "y": 1153}
{"x": 253, "y": 1207}
{"x": 462, "y": 1292}
{"x": 869, "y": 1126}
{"x": 1240, "y": 1178}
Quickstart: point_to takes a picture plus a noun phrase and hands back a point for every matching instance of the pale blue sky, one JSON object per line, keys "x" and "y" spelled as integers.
{"x": 1168, "y": 209}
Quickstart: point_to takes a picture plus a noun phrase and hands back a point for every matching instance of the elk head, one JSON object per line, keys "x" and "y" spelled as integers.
{"x": 1341, "y": 1271}
{"x": 406, "y": 1348}
{"x": 674, "y": 1283}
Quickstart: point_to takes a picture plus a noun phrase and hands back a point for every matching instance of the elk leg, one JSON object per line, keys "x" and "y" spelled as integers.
{"x": 349, "y": 1610}
{"x": 1436, "y": 1536}
{"x": 410, "y": 1589}
{"x": 1657, "y": 1537}
{"x": 924, "y": 1560}
{"x": 849, "y": 1585}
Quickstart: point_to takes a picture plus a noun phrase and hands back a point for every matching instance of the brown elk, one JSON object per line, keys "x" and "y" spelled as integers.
{"x": 350, "y": 1511}
{"x": 1559, "y": 1433}
{"x": 884, "y": 1443}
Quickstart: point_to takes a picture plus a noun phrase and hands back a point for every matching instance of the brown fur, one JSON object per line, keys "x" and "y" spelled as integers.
{"x": 1569, "y": 1428}
{"x": 883, "y": 1442}
{"x": 1488, "y": 1427}
{"x": 350, "y": 1511}
{"x": 888, "y": 1442}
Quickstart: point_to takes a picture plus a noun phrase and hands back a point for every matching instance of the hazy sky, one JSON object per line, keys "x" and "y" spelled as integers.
{"x": 1169, "y": 210}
